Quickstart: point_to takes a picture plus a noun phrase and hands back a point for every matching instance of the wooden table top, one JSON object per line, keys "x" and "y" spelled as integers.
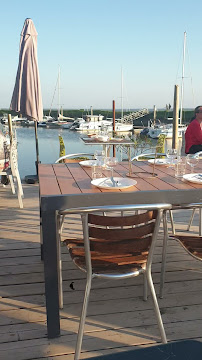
{"x": 72, "y": 178}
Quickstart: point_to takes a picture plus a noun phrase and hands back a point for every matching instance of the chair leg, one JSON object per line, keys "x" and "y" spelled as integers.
{"x": 20, "y": 200}
{"x": 172, "y": 222}
{"x": 61, "y": 223}
{"x": 83, "y": 318}
{"x": 19, "y": 182}
{"x": 191, "y": 219}
{"x": 200, "y": 219}
{"x": 19, "y": 191}
{"x": 164, "y": 252}
{"x": 145, "y": 287}
{"x": 59, "y": 261}
{"x": 60, "y": 276}
{"x": 12, "y": 183}
{"x": 156, "y": 308}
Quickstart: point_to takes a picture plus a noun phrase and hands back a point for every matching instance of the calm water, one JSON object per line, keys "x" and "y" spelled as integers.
{"x": 49, "y": 147}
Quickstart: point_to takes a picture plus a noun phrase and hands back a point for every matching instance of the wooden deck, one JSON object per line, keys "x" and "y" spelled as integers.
{"x": 118, "y": 319}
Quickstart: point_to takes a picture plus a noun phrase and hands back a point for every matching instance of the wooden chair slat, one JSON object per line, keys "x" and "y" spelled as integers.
{"x": 191, "y": 239}
{"x": 103, "y": 267}
{"x": 193, "y": 244}
{"x": 125, "y": 246}
{"x": 97, "y": 255}
{"x": 121, "y": 234}
{"x": 128, "y": 220}
{"x": 118, "y": 260}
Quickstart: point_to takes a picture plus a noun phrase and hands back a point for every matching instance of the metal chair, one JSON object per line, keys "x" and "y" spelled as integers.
{"x": 152, "y": 156}
{"x": 11, "y": 170}
{"x": 116, "y": 247}
{"x": 198, "y": 154}
{"x": 192, "y": 244}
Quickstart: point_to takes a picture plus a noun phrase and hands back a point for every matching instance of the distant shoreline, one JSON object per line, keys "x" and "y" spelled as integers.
{"x": 162, "y": 115}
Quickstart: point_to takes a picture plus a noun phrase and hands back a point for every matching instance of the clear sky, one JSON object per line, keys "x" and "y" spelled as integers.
{"x": 92, "y": 39}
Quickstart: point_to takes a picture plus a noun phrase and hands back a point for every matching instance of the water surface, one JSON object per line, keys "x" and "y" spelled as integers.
{"x": 49, "y": 147}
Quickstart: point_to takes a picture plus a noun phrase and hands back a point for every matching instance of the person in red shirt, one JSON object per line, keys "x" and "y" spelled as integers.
{"x": 193, "y": 134}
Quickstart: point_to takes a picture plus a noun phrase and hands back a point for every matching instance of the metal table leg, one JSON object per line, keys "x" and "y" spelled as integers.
{"x": 50, "y": 250}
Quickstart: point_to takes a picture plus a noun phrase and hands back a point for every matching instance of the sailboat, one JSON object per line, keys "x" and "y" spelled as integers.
{"x": 62, "y": 121}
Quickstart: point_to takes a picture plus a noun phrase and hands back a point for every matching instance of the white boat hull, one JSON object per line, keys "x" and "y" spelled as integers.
{"x": 82, "y": 125}
{"x": 155, "y": 132}
{"x": 59, "y": 124}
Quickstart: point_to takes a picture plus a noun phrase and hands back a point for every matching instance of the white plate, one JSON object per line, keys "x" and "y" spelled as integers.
{"x": 163, "y": 162}
{"x": 121, "y": 183}
{"x": 117, "y": 139}
{"x": 159, "y": 161}
{"x": 194, "y": 178}
{"x": 86, "y": 138}
{"x": 88, "y": 163}
{"x": 90, "y": 138}
{"x": 103, "y": 137}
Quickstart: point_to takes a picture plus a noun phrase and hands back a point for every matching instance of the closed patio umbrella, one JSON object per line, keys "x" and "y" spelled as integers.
{"x": 27, "y": 97}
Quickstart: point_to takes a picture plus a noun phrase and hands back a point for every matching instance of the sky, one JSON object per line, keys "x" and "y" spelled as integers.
{"x": 92, "y": 40}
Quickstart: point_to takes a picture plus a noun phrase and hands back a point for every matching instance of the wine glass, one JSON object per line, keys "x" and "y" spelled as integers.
{"x": 171, "y": 155}
{"x": 192, "y": 160}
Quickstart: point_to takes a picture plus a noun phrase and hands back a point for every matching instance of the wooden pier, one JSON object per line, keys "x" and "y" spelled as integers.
{"x": 118, "y": 318}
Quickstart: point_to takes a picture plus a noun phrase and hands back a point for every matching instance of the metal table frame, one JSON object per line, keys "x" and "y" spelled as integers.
{"x": 50, "y": 204}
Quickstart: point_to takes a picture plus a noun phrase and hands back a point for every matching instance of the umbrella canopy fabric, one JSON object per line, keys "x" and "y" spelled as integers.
{"x": 27, "y": 97}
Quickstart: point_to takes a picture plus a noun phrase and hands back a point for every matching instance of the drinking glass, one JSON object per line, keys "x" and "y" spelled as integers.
{"x": 171, "y": 155}
{"x": 180, "y": 167}
{"x": 97, "y": 172}
{"x": 192, "y": 160}
{"x": 109, "y": 172}
{"x": 111, "y": 161}
{"x": 99, "y": 156}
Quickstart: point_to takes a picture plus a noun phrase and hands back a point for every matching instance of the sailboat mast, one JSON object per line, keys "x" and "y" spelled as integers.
{"x": 121, "y": 93}
{"x": 58, "y": 91}
{"x": 182, "y": 83}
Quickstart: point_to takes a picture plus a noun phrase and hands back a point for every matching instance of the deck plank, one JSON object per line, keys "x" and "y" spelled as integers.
{"x": 109, "y": 327}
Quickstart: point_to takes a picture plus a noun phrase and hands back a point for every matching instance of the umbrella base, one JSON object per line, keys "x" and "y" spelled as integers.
{"x": 31, "y": 179}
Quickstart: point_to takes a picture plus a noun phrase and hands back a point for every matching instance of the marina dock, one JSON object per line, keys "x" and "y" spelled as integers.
{"x": 118, "y": 319}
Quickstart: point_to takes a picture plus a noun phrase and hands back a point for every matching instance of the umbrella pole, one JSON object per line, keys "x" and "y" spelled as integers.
{"x": 113, "y": 106}
{"x": 37, "y": 147}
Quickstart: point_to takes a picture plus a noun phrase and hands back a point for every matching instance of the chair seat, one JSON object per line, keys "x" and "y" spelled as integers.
{"x": 104, "y": 267}
{"x": 119, "y": 256}
{"x": 193, "y": 244}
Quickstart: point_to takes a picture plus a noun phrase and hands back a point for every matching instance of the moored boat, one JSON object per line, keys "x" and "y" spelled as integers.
{"x": 164, "y": 129}
{"x": 96, "y": 123}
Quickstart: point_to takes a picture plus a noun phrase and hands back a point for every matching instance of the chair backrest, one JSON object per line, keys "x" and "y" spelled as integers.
{"x": 198, "y": 154}
{"x": 122, "y": 236}
{"x": 147, "y": 155}
{"x": 71, "y": 156}
{"x": 117, "y": 241}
